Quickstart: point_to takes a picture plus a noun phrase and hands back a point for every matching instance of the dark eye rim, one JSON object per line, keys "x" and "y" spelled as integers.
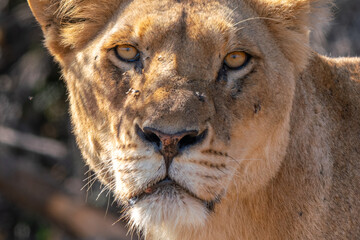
{"x": 248, "y": 58}
{"x": 135, "y": 59}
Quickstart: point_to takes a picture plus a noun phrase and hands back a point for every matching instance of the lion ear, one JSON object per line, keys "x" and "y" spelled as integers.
{"x": 292, "y": 21}
{"x": 45, "y": 12}
{"x": 69, "y": 24}
{"x": 39, "y": 10}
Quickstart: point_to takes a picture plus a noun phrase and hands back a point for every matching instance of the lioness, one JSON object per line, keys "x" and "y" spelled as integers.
{"x": 212, "y": 119}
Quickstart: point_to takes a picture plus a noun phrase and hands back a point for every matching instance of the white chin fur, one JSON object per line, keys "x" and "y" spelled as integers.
{"x": 167, "y": 214}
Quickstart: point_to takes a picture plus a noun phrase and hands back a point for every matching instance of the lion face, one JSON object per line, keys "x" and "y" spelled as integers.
{"x": 164, "y": 118}
{"x": 180, "y": 105}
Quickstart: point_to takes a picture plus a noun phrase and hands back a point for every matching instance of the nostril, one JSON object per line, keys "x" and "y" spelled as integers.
{"x": 149, "y": 136}
{"x": 191, "y": 139}
{"x": 170, "y": 144}
{"x": 153, "y": 138}
{"x": 187, "y": 141}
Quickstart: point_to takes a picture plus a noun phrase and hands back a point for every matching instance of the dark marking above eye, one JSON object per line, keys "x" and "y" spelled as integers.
{"x": 67, "y": 20}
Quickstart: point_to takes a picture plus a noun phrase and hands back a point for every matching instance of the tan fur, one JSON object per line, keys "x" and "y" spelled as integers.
{"x": 282, "y": 150}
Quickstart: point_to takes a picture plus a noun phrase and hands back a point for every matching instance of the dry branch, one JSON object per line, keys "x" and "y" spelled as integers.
{"x": 32, "y": 143}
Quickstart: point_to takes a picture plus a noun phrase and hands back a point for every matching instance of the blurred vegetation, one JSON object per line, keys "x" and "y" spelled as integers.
{"x": 33, "y": 101}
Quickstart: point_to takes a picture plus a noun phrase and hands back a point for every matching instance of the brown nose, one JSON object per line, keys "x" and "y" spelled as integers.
{"x": 169, "y": 145}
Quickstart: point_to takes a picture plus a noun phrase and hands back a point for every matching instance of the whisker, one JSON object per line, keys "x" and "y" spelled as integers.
{"x": 108, "y": 187}
{"x": 98, "y": 164}
{"x": 120, "y": 218}
{"x": 89, "y": 184}
{"x": 96, "y": 173}
{"x": 238, "y": 161}
{"x": 104, "y": 171}
{"x": 107, "y": 206}
{"x": 231, "y": 12}
{"x": 257, "y": 18}
{"x": 89, "y": 177}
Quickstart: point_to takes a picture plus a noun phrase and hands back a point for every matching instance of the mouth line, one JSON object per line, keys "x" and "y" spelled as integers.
{"x": 210, "y": 205}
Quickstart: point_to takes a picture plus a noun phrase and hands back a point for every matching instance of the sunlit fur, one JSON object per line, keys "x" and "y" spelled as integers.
{"x": 152, "y": 214}
{"x": 280, "y": 157}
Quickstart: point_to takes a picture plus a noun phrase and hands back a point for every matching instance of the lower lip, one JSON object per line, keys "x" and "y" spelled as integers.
{"x": 209, "y": 205}
{"x": 150, "y": 190}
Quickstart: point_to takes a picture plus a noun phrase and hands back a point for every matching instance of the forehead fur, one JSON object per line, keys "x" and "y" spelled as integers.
{"x": 178, "y": 29}
{"x": 70, "y": 24}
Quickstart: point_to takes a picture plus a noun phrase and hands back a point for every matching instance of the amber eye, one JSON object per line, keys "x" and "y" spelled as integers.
{"x": 236, "y": 60}
{"x": 127, "y": 53}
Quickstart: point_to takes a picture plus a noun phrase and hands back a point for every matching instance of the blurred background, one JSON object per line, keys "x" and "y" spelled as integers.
{"x": 41, "y": 170}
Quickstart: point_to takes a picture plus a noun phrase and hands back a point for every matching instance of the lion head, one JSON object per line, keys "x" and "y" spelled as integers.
{"x": 179, "y": 107}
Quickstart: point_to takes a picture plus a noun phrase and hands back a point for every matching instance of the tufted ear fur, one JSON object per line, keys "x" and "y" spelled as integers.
{"x": 291, "y": 21}
{"x": 69, "y": 24}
